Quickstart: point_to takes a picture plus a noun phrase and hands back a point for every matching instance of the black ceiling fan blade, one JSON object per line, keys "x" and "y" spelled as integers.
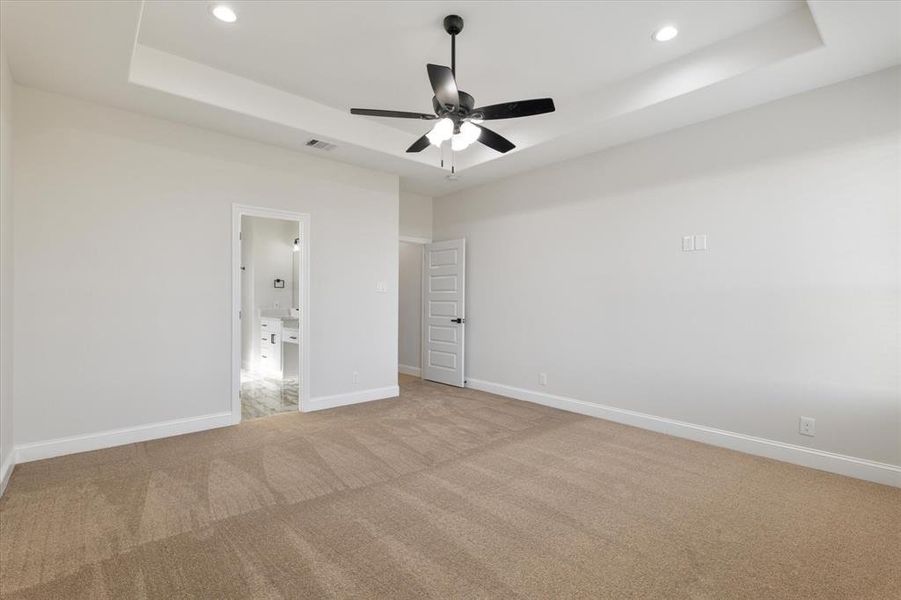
{"x": 495, "y": 141}
{"x": 419, "y": 145}
{"x": 512, "y": 110}
{"x": 444, "y": 85}
{"x": 395, "y": 114}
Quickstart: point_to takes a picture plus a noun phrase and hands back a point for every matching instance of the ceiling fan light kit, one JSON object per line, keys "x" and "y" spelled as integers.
{"x": 458, "y": 119}
{"x": 441, "y": 132}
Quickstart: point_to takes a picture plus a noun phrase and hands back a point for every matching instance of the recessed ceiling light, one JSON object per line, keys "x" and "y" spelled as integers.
{"x": 665, "y": 33}
{"x": 224, "y": 13}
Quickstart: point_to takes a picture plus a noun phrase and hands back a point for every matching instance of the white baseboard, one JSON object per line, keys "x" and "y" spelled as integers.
{"x": 324, "y": 402}
{"x": 6, "y": 469}
{"x": 142, "y": 433}
{"x": 119, "y": 437}
{"x": 408, "y": 370}
{"x": 850, "y": 466}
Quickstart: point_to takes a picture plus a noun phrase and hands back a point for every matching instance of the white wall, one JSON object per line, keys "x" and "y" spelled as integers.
{"x": 123, "y": 262}
{"x": 409, "y": 324}
{"x": 576, "y": 270}
{"x": 6, "y": 272}
{"x": 415, "y": 215}
{"x": 273, "y": 258}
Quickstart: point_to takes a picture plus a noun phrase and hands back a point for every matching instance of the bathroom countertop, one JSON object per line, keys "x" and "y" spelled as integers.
{"x": 287, "y": 320}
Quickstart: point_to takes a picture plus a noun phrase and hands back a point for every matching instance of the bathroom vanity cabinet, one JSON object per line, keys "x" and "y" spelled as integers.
{"x": 275, "y": 333}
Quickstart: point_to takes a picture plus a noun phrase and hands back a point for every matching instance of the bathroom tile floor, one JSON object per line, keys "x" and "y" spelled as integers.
{"x": 262, "y": 395}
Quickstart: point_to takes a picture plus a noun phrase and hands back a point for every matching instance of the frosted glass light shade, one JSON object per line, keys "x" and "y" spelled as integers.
{"x": 442, "y": 131}
{"x": 469, "y": 132}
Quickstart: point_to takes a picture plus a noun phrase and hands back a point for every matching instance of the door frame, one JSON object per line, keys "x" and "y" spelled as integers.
{"x": 303, "y": 350}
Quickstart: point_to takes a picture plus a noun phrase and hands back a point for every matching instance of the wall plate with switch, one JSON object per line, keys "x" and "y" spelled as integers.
{"x": 807, "y": 426}
{"x": 381, "y": 287}
{"x": 701, "y": 242}
{"x": 691, "y": 243}
{"x": 542, "y": 378}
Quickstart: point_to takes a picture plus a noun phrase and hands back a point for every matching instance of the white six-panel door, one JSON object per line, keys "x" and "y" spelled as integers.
{"x": 443, "y": 311}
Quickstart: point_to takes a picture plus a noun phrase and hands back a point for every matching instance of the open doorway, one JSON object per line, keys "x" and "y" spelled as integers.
{"x": 409, "y": 321}
{"x": 432, "y": 310}
{"x": 270, "y": 326}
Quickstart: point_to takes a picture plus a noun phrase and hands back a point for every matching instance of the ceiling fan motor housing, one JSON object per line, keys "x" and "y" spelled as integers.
{"x": 465, "y": 107}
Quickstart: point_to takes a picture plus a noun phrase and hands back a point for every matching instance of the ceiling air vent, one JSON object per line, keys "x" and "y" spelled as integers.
{"x": 320, "y": 145}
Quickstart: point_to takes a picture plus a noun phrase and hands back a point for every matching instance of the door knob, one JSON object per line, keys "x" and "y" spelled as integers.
{"x": 458, "y": 320}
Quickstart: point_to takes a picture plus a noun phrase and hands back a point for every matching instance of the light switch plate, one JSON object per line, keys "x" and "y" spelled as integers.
{"x": 381, "y": 287}
{"x": 688, "y": 243}
{"x": 701, "y": 242}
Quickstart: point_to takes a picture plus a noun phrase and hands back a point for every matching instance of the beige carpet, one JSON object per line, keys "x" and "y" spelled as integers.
{"x": 443, "y": 493}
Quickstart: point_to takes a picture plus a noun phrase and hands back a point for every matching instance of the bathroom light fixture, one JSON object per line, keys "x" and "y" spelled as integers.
{"x": 224, "y": 13}
{"x": 297, "y": 244}
{"x": 665, "y": 33}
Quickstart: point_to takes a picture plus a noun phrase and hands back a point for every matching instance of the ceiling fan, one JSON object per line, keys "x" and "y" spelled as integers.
{"x": 458, "y": 120}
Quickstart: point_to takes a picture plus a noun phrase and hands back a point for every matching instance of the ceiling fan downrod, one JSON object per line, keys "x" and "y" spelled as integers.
{"x": 453, "y": 25}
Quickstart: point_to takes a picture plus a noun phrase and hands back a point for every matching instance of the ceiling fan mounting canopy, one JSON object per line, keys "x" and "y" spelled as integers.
{"x": 459, "y": 119}
{"x": 453, "y": 24}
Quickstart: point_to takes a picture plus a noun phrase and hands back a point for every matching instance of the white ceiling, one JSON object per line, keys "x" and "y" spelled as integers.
{"x": 374, "y": 54}
{"x": 288, "y": 71}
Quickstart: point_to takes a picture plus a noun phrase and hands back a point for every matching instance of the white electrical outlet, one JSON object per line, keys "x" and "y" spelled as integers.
{"x": 807, "y": 426}
{"x": 381, "y": 287}
{"x": 356, "y": 377}
{"x": 542, "y": 378}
